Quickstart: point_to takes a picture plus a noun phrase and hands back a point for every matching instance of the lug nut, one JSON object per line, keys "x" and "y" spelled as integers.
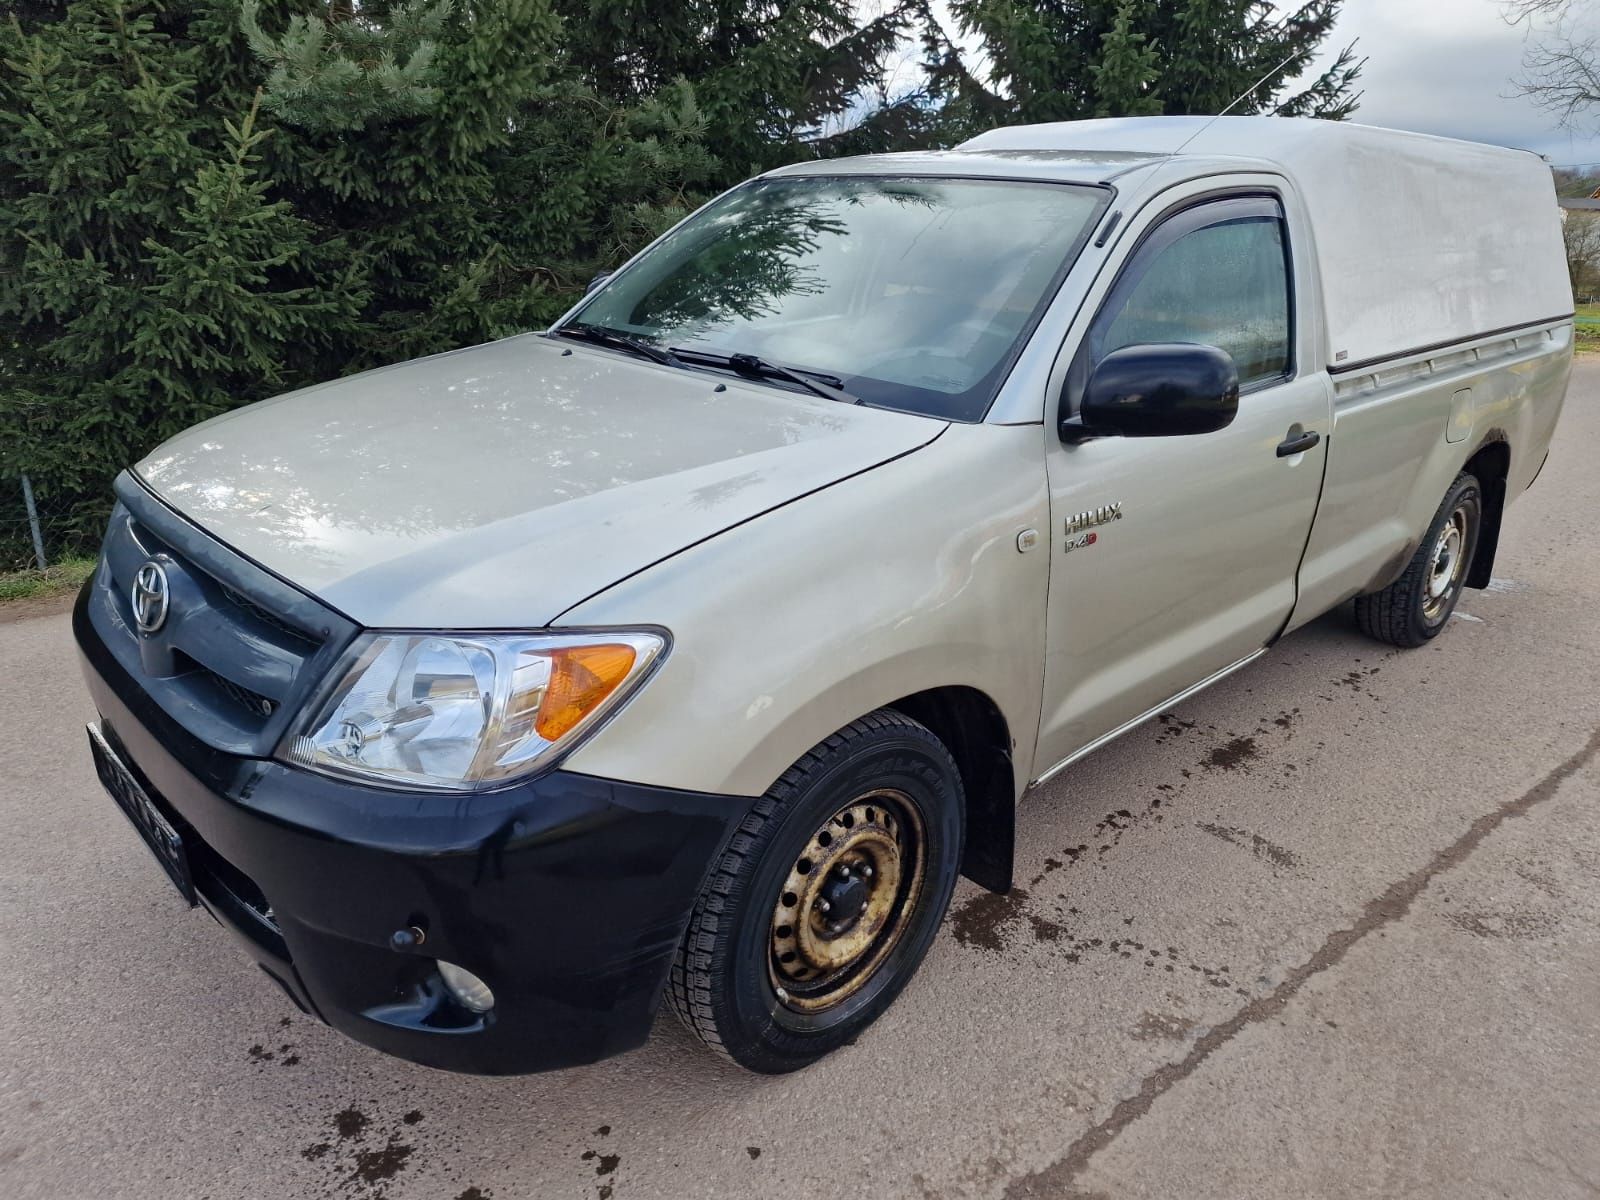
{"x": 844, "y": 871}
{"x": 866, "y": 872}
{"x": 823, "y": 906}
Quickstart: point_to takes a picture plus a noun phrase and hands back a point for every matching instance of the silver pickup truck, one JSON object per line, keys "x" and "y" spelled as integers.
{"x": 696, "y": 645}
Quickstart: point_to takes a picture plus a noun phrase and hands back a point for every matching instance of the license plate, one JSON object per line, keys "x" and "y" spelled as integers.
{"x": 164, "y": 841}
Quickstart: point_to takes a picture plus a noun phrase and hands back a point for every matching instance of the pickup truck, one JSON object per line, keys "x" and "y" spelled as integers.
{"x": 695, "y": 645}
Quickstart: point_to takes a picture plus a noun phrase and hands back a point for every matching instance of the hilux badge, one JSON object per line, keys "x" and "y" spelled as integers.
{"x": 149, "y": 597}
{"x": 1103, "y": 515}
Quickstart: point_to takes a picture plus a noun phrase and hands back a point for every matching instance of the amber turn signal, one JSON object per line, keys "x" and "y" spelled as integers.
{"x": 580, "y": 679}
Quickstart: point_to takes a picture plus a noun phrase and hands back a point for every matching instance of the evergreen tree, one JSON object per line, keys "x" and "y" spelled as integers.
{"x": 236, "y": 288}
{"x": 101, "y": 132}
{"x": 773, "y": 82}
{"x": 1129, "y": 65}
{"x": 1062, "y": 60}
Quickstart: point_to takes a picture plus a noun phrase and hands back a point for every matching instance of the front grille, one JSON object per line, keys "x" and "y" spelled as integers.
{"x": 239, "y": 650}
{"x": 256, "y": 705}
{"x": 255, "y": 610}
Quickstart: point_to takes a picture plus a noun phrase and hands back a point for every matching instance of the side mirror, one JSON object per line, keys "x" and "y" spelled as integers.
{"x": 597, "y": 281}
{"x": 1163, "y": 389}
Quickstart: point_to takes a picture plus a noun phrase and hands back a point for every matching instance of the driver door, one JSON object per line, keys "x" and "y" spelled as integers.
{"x": 1174, "y": 558}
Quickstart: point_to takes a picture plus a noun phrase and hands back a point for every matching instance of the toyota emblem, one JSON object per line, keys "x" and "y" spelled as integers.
{"x": 150, "y": 597}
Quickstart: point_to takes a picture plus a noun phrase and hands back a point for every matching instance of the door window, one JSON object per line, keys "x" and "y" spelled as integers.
{"x": 1218, "y": 275}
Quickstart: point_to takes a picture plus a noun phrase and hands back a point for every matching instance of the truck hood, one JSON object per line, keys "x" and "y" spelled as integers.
{"x": 497, "y": 486}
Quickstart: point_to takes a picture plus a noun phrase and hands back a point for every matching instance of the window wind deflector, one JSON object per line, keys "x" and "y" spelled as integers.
{"x": 752, "y": 367}
{"x": 618, "y": 341}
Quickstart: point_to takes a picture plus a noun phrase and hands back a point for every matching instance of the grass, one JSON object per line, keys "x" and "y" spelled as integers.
{"x": 1586, "y": 327}
{"x": 65, "y": 576}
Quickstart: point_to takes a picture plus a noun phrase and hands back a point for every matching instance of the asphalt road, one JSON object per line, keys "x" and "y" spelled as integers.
{"x": 1331, "y": 928}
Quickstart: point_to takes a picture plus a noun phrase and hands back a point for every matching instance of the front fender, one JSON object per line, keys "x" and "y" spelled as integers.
{"x": 903, "y": 578}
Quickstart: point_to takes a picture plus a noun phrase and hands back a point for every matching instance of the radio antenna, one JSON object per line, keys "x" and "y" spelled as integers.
{"x": 1242, "y": 97}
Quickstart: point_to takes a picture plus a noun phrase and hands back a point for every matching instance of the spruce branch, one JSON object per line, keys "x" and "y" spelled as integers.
{"x": 345, "y": 72}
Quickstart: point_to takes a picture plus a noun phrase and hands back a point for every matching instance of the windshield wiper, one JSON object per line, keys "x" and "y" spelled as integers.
{"x": 619, "y": 341}
{"x": 753, "y": 367}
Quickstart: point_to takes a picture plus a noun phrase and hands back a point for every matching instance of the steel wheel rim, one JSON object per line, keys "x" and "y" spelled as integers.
{"x": 846, "y": 901}
{"x": 1447, "y": 565}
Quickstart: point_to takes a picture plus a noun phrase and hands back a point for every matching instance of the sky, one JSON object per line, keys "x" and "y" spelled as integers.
{"x": 1446, "y": 67}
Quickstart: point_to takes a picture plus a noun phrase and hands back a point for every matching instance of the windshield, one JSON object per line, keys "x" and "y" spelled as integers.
{"x": 912, "y": 293}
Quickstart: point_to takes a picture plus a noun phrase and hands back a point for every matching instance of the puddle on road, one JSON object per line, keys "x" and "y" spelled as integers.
{"x": 1231, "y": 756}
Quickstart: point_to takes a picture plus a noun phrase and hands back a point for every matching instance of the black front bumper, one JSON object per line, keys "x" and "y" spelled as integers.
{"x": 568, "y": 894}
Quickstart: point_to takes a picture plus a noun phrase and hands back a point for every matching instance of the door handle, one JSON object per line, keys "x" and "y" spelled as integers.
{"x": 1295, "y": 443}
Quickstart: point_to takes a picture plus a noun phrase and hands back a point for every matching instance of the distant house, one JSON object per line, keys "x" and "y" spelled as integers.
{"x": 1583, "y": 204}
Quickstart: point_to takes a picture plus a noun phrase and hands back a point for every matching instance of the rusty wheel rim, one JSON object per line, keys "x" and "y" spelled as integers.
{"x": 1447, "y": 565}
{"x": 846, "y": 901}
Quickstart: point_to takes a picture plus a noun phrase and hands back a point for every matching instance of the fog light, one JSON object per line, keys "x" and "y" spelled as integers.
{"x": 470, "y": 992}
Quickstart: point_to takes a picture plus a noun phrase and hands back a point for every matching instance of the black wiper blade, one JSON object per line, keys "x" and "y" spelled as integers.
{"x": 619, "y": 341}
{"x": 753, "y": 367}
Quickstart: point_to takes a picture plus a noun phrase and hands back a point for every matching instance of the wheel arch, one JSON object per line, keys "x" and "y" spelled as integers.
{"x": 974, "y": 730}
{"x": 1490, "y": 464}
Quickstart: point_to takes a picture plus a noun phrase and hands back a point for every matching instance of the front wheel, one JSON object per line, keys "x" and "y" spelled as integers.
{"x": 827, "y": 898}
{"x": 1415, "y": 607}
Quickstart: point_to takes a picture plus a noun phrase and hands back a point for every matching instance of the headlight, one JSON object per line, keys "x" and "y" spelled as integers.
{"x": 467, "y": 711}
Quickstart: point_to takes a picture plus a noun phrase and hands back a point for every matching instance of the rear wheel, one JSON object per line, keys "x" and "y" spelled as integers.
{"x": 1414, "y": 608}
{"x": 827, "y": 899}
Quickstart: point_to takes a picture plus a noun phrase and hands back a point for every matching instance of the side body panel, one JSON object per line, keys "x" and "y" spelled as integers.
{"x": 1401, "y": 434}
{"x": 902, "y": 579}
{"x": 1198, "y": 571}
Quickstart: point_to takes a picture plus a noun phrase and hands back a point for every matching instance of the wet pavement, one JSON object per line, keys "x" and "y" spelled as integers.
{"x": 1330, "y": 928}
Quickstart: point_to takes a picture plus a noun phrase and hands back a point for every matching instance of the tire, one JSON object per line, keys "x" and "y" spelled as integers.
{"x": 762, "y": 977}
{"x": 1414, "y": 608}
